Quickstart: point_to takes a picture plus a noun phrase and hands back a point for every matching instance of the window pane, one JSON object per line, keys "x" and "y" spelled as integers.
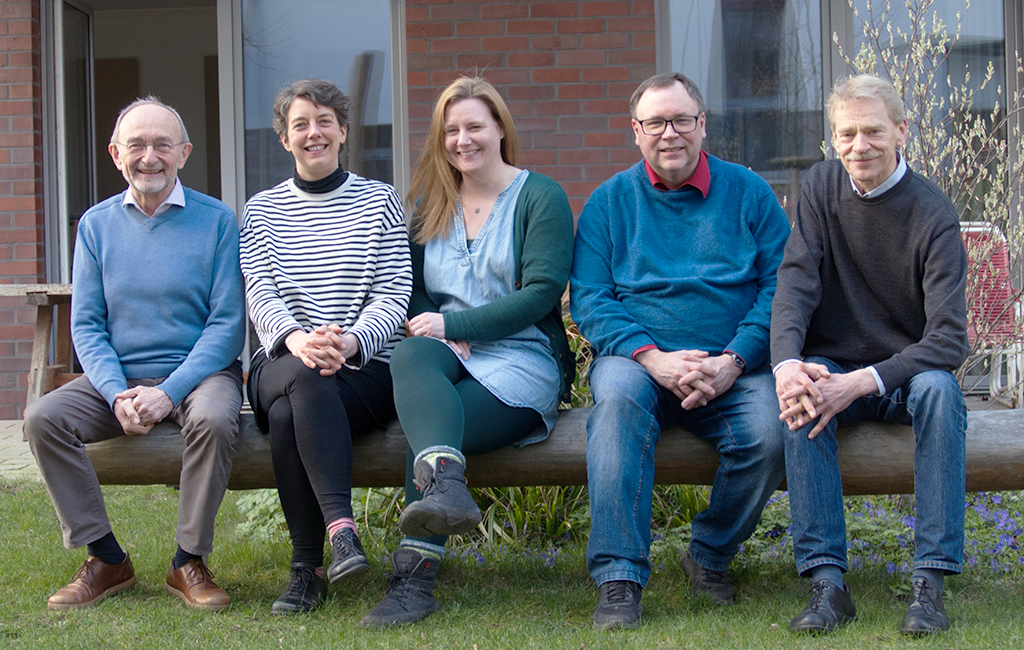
{"x": 758, "y": 64}
{"x": 344, "y": 41}
{"x": 981, "y": 41}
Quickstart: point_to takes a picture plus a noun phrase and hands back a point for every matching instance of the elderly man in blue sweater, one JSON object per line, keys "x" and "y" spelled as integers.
{"x": 157, "y": 320}
{"x": 672, "y": 283}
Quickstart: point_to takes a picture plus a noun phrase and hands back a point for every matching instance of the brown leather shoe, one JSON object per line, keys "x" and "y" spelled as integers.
{"x": 93, "y": 582}
{"x": 194, "y": 584}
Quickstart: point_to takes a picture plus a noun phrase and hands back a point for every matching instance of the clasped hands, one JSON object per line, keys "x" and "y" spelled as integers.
{"x": 138, "y": 409}
{"x": 432, "y": 324}
{"x": 326, "y": 348}
{"x": 808, "y": 390}
{"x": 692, "y": 375}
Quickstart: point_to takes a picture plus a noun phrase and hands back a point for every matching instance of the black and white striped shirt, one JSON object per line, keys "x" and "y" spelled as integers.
{"x": 339, "y": 257}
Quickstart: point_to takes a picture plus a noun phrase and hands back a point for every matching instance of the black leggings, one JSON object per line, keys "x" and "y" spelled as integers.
{"x": 311, "y": 421}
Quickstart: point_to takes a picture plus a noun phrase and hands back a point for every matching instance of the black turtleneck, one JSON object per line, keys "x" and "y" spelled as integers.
{"x": 326, "y": 184}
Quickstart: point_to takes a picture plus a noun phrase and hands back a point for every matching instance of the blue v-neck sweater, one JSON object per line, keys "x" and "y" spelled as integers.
{"x": 157, "y": 296}
{"x": 676, "y": 269}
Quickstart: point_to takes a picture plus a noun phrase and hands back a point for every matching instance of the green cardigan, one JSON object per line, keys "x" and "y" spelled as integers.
{"x": 543, "y": 253}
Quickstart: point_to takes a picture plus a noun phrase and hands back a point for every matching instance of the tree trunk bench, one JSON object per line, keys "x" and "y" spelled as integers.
{"x": 875, "y": 458}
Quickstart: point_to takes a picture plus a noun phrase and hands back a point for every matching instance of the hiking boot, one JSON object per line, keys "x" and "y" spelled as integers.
{"x": 348, "y": 558}
{"x": 925, "y": 613}
{"x": 828, "y": 608}
{"x": 705, "y": 582}
{"x": 305, "y": 591}
{"x": 410, "y": 595}
{"x": 446, "y": 507}
{"x": 618, "y": 605}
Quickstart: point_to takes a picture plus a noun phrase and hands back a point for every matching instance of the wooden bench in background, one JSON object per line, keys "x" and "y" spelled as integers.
{"x": 53, "y": 303}
{"x": 875, "y": 458}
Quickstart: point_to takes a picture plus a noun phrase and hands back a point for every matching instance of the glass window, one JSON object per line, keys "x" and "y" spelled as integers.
{"x": 344, "y": 41}
{"x": 758, "y": 64}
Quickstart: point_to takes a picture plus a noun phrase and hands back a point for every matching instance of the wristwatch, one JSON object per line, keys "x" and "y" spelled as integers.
{"x": 740, "y": 363}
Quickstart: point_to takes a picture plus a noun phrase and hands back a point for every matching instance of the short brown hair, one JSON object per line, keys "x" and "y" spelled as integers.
{"x": 319, "y": 91}
{"x": 665, "y": 80}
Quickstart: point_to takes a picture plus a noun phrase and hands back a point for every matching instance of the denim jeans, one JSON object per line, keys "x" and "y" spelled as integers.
{"x": 631, "y": 411}
{"x": 932, "y": 403}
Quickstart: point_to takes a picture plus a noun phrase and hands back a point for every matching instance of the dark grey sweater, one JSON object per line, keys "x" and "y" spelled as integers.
{"x": 875, "y": 281}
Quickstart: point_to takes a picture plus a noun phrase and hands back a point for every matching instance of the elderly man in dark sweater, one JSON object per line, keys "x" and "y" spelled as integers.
{"x": 868, "y": 321}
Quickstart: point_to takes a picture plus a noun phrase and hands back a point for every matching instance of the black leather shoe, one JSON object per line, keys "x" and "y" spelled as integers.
{"x": 829, "y": 608}
{"x": 925, "y": 613}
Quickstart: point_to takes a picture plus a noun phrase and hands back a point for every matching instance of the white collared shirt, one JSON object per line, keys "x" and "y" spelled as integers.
{"x": 888, "y": 184}
{"x": 176, "y": 197}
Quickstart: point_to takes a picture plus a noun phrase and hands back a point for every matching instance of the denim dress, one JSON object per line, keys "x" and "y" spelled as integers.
{"x": 520, "y": 369}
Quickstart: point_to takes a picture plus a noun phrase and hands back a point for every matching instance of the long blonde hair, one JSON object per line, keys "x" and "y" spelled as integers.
{"x": 435, "y": 185}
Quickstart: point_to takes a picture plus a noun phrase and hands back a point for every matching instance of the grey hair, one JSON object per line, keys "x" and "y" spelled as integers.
{"x": 142, "y": 101}
{"x": 866, "y": 86}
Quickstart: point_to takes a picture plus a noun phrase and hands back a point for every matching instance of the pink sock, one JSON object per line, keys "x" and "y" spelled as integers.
{"x": 338, "y": 524}
{"x": 319, "y": 571}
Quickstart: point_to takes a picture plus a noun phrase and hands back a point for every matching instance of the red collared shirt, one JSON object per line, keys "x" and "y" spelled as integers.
{"x": 700, "y": 178}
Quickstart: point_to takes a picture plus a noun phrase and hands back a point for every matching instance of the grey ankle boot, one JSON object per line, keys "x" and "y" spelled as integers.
{"x": 446, "y": 507}
{"x": 410, "y": 594}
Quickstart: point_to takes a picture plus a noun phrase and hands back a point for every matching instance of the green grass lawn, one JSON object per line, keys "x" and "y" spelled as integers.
{"x": 512, "y": 600}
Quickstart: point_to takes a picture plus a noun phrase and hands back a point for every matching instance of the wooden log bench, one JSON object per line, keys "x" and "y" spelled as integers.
{"x": 875, "y": 458}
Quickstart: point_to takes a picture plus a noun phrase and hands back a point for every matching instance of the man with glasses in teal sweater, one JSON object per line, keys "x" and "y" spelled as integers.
{"x": 672, "y": 282}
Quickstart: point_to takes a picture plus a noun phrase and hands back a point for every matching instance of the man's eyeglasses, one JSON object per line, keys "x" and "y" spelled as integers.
{"x": 137, "y": 148}
{"x": 680, "y": 125}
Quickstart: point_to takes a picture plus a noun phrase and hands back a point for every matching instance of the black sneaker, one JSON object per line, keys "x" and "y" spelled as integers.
{"x": 618, "y": 605}
{"x": 925, "y": 613}
{"x": 705, "y": 582}
{"x": 348, "y": 556}
{"x": 410, "y": 595}
{"x": 829, "y": 608}
{"x": 305, "y": 592}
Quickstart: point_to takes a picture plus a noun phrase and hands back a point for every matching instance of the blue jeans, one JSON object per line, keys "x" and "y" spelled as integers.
{"x": 631, "y": 411}
{"x": 932, "y": 403}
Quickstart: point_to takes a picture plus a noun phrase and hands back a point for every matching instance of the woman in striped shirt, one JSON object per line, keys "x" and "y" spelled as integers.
{"x": 487, "y": 358}
{"x": 326, "y": 262}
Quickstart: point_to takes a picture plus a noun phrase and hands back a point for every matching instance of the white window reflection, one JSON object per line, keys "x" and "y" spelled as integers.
{"x": 344, "y": 41}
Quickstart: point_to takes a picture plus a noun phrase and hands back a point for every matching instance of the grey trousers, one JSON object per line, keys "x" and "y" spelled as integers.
{"x": 60, "y": 423}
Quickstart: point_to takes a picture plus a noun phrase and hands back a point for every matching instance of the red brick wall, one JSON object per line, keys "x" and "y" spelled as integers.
{"x": 21, "y": 191}
{"x": 566, "y": 69}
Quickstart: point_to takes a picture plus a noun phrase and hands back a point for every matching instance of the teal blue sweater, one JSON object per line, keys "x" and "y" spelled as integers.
{"x": 675, "y": 269}
{"x": 157, "y": 296}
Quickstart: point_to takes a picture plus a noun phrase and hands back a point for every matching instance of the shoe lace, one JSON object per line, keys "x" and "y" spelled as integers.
{"x": 924, "y": 593}
{"x": 84, "y": 572}
{"x": 200, "y": 568}
{"x": 712, "y": 578}
{"x": 398, "y": 588}
{"x": 618, "y": 593}
{"x": 301, "y": 576}
{"x": 817, "y": 595}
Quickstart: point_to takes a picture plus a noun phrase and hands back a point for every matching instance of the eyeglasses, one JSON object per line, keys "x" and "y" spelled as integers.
{"x": 680, "y": 125}
{"x": 137, "y": 147}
